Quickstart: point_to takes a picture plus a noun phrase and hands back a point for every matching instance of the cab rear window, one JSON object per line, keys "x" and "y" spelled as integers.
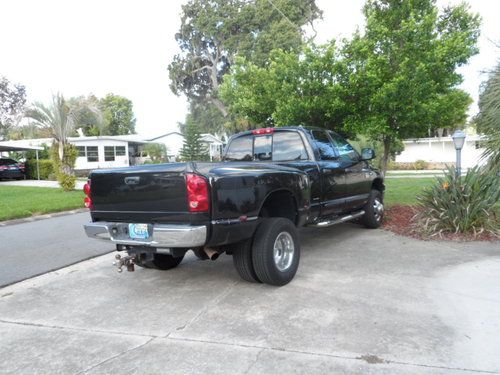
{"x": 280, "y": 146}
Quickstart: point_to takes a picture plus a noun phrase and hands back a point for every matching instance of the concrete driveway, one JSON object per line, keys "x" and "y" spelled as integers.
{"x": 363, "y": 301}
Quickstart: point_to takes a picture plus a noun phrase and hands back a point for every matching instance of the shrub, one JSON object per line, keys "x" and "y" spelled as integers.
{"x": 420, "y": 165}
{"x": 66, "y": 181}
{"x": 460, "y": 204}
{"x": 46, "y": 168}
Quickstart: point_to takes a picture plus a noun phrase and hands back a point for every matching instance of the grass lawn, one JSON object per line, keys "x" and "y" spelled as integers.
{"x": 404, "y": 190}
{"x": 20, "y": 201}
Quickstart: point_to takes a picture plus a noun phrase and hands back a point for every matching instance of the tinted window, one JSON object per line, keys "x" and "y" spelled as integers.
{"x": 7, "y": 161}
{"x": 92, "y": 154}
{"x": 120, "y": 150}
{"x": 288, "y": 146}
{"x": 262, "y": 147}
{"x": 324, "y": 145}
{"x": 109, "y": 153}
{"x": 345, "y": 150}
{"x": 240, "y": 149}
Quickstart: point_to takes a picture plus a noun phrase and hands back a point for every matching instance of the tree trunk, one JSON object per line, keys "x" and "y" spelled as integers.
{"x": 220, "y": 106}
{"x": 387, "y": 154}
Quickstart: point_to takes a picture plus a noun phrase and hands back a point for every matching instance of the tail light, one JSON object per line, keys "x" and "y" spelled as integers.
{"x": 263, "y": 131}
{"x": 88, "y": 200}
{"x": 21, "y": 166}
{"x": 3, "y": 167}
{"x": 197, "y": 192}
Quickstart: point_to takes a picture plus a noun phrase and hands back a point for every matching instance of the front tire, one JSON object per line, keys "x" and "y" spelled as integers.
{"x": 159, "y": 261}
{"x": 276, "y": 251}
{"x": 374, "y": 210}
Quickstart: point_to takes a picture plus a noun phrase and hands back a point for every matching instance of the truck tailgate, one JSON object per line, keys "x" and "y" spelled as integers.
{"x": 123, "y": 194}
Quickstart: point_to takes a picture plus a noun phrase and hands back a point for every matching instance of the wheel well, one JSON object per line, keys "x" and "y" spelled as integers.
{"x": 378, "y": 184}
{"x": 280, "y": 203}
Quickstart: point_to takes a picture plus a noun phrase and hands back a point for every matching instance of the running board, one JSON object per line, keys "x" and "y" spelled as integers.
{"x": 329, "y": 223}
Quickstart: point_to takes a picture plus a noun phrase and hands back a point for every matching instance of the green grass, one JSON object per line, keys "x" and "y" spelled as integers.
{"x": 404, "y": 190}
{"x": 19, "y": 201}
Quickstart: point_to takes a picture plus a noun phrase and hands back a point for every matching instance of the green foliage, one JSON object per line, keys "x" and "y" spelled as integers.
{"x": 460, "y": 204}
{"x": 421, "y": 165}
{"x": 290, "y": 89}
{"x": 46, "y": 169}
{"x": 118, "y": 115}
{"x": 157, "y": 152}
{"x": 67, "y": 163}
{"x": 66, "y": 181}
{"x": 193, "y": 149}
{"x": 213, "y": 32}
{"x": 488, "y": 119}
{"x": 402, "y": 70}
{"x": 362, "y": 141}
{"x": 12, "y": 101}
{"x": 87, "y": 114}
{"x": 42, "y": 154}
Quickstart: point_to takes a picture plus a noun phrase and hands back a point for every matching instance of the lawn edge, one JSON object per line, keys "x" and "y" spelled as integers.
{"x": 48, "y": 215}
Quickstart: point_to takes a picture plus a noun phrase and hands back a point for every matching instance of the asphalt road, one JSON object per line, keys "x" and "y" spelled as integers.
{"x": 34, "y": 248}
{"x": 363, "y": 302}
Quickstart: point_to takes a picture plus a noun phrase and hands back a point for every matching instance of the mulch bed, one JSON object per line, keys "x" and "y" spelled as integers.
{"x": 401, "y": 220}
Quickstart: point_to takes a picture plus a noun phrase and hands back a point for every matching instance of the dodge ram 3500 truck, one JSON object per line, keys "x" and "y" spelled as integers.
{"x": 270, "y": 182}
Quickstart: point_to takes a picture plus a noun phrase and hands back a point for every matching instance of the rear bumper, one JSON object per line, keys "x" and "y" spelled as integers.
{"x": 161, "y": 235}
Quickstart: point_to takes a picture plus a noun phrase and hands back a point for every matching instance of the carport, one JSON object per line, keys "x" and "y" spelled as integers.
{"x": 6, "y": 147}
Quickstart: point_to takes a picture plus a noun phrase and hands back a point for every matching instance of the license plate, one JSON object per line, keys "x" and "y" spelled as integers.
{"x": 138, "y": 231}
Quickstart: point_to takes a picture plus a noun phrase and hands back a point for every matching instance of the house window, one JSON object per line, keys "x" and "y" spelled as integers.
{"x": 120, "y": 151}
{"x": 109, "y": 153}
{"x": 81, "y": 151}
{"x": 92, "y": 154}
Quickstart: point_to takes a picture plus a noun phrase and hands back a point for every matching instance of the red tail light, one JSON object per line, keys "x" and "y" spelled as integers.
{"x": 88, "y": 200}
{"x": 197, "y": 191}
{"x": 3, "y": 167}
{"x": 263, "y": 131}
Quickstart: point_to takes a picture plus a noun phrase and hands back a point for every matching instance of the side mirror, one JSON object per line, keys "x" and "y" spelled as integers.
{"x": 367, "y": 154}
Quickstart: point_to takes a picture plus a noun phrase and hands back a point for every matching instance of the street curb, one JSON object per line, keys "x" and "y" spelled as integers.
{"x": 41, "y": 217}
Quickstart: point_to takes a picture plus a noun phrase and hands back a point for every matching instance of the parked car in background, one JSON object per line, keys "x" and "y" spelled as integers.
{"x": 9, "y": 168}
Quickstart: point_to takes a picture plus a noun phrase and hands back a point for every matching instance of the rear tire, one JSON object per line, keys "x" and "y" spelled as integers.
{"x": 276, "y": 251}
{"x": 374, "y": 210}
{"x": 242, "y": 260}
{"x": 160, "y": 262}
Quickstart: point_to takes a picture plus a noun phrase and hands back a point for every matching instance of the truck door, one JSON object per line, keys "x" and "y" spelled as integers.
{"x": 332, "y": 176}
{"x": 357, "y": 173}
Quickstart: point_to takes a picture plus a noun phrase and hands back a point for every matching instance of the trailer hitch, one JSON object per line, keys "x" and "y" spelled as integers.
{"x": 127, "y": 261}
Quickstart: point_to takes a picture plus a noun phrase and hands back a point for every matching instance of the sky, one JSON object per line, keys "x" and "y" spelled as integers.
{"x": 79, "y": 47}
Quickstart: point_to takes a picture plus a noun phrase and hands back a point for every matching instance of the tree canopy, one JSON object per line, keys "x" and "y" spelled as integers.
{"x": 12, "y": 102}
{"x": 193, "y": 149}
{"x": 402, "y": 73}
{"x": 118, "y": 115}
{"x": 214, "y": 32}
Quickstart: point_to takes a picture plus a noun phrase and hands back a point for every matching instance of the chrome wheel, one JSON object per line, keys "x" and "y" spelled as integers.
{"x": 378, "y": 209}
{"x": 283, "y": 251}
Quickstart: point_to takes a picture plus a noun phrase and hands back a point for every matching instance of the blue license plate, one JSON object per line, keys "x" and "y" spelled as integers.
{"x": 138, "y": 231}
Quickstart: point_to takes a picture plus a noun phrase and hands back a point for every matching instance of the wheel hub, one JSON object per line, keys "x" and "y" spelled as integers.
{"x": 378, "y": 209}
{"x": 283, "y": 251}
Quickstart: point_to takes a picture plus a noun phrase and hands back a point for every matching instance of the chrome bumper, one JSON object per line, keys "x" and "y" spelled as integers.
{"x": 160, "y": 235}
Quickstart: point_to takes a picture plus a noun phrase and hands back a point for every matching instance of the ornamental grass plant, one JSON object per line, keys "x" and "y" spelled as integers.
{"x": 461, "y": 204}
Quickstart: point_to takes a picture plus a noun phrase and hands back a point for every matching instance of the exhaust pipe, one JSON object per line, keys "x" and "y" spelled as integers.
{"x": 212, "y": 254}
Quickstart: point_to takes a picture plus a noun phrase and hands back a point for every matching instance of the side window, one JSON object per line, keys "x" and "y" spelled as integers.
{"x": 81, "y": 151}
{"x": 240, "y": 149}
{"x": 120, "y": 151}
{"x": 92, "y": 154}
{"x": 324, "y": 145}
{"x": 346, "y": 151}
{"x": 288, "y": 146}
{"x": 109, "y": 153}
{"x": 262, "y": 147}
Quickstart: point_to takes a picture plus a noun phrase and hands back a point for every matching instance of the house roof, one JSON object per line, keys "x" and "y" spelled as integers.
{"x": 164, "y": 135}
{"x": 11, "y": 146}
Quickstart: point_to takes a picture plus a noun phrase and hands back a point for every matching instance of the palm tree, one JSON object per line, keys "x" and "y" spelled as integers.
{"x": 488, "y": 119}
{"x": 58, "y": 117}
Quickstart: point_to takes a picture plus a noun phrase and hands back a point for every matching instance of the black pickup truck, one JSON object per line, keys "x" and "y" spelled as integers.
{"x": 271, "y": 181}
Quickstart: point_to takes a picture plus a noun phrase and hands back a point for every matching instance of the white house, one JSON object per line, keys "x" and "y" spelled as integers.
{"x": 97, "y": 152}
{"x": 442, "y": 151}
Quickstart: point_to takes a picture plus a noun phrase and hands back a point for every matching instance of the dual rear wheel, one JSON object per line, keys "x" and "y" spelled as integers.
{"x": 272, "y": 256}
